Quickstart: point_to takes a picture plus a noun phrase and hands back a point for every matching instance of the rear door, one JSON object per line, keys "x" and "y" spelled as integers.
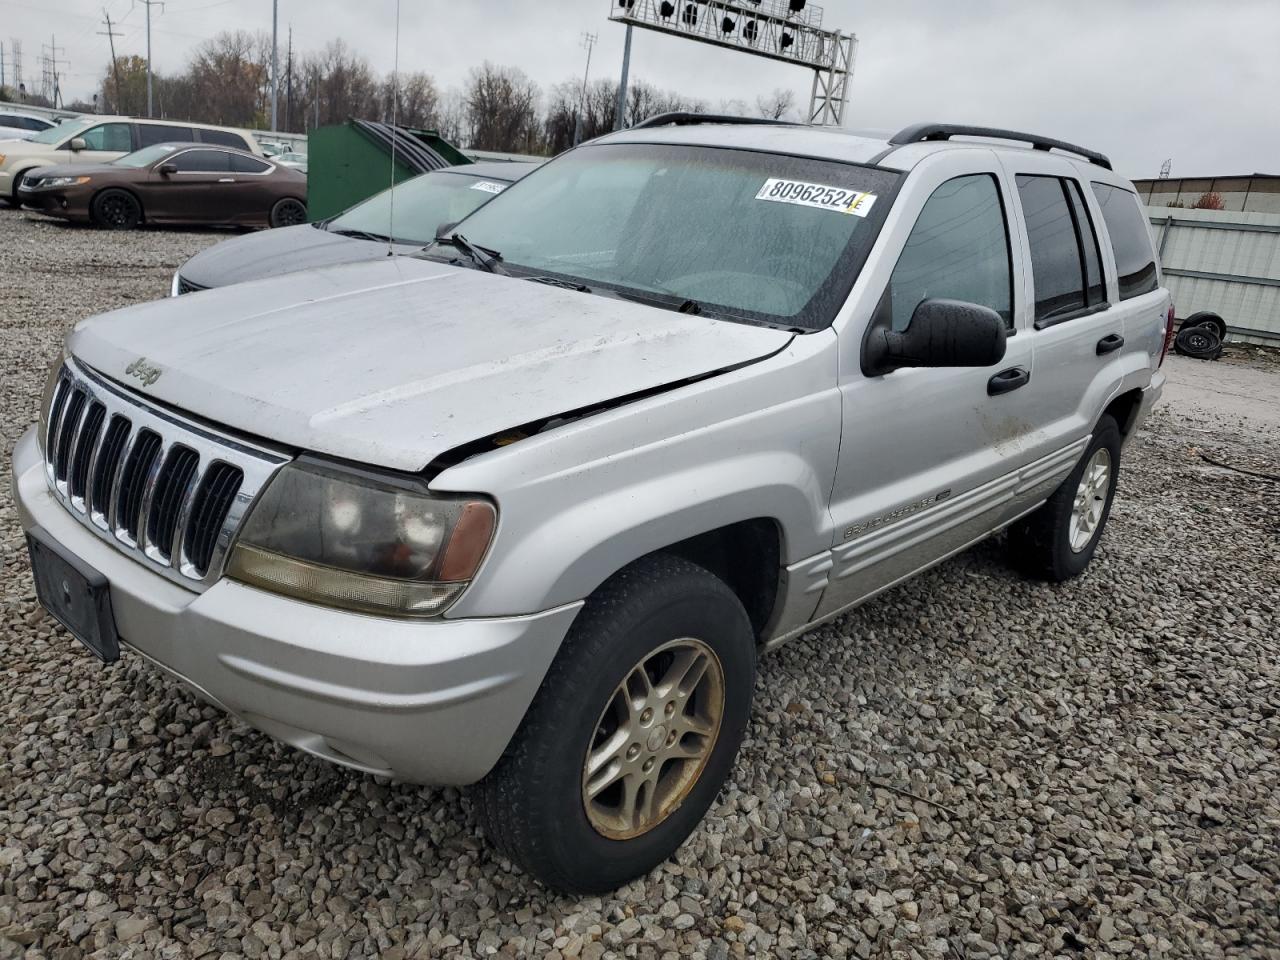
{"x": 1077, "y": 332}
{"x": 248, "y": 193}
{"x": 930, "y": 458}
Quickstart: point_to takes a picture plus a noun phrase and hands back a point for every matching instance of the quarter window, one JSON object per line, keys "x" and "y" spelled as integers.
{"x": 202, "y": 161}
{"x": 1065, "y": 264}
{"x": 150, "y": 134}
{"x": 241, "y": 164}
{"x": 116, "y": 137}
{"x": 958, "y": 249}
{"x": 1130, "y": 241}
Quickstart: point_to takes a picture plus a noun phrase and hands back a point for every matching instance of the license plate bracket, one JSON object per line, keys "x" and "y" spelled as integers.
{"x": 77, "y": 596}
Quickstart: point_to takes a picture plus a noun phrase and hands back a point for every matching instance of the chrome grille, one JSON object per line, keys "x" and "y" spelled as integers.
{"x": 169, "y": 492}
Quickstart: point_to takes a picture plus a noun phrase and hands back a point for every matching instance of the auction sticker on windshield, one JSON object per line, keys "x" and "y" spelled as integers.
{"x": 489, "y": 186}
{"x": 837, "y": 199}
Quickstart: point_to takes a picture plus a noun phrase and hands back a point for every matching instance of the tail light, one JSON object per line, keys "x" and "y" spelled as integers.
{"x": 1168, "y": 336}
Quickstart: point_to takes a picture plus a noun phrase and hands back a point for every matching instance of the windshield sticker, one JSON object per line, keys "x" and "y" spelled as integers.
{"x": 488, "y": 186}
{"x": 837, "y": 199}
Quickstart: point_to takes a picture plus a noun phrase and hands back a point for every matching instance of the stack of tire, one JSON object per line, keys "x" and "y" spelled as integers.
{"x": 1201, "y": 336}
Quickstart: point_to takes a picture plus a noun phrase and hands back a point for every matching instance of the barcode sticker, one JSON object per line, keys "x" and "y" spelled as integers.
{"x": 819, "y": 195}
{"x": 488, "y": 186}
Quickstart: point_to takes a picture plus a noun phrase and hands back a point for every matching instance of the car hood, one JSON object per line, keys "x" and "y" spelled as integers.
{"x": 75, "y": 170}
{"x": 271, "y": 253}
{"x": 396, "y": 362}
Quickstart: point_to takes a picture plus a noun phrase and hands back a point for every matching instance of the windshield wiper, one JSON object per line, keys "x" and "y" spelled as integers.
{"x": 480, "y": 256}
{"x": 362, "y": 235}
{"x": 564, "y": 284}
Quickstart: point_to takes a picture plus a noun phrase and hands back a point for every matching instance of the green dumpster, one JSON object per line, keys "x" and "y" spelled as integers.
{"x": 352, "y": 161}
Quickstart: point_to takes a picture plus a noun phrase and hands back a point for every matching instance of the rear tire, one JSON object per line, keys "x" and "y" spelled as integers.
{"x": 116, "y": 210}
{"x": 572, "y": 827}
{"x": 1051, "y": 543}
{"x": 288, "y": 212}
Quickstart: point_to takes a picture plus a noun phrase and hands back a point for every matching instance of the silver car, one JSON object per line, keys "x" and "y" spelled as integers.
{"x": 523, "y": 511}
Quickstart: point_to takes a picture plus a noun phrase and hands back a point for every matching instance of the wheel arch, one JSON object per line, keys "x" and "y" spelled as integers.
{"x": 1124, "y": 410}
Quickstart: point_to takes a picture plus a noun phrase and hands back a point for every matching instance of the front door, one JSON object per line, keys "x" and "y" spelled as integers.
{"x": 931, "y": 459}
{"x": 189, "y": 193}
{"x": 103, "y": 143}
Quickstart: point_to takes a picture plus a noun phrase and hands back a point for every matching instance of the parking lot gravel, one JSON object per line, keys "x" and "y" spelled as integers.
{"x": 970, "y": 766}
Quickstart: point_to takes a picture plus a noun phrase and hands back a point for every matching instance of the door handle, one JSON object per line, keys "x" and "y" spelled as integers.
{"x": 1110, "y": 343}
{"x": 1007, "y": 380}
{"x": 227, "y": 180}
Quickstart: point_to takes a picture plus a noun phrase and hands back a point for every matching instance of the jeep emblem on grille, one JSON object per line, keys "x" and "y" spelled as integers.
{"x": 143, "y": 371}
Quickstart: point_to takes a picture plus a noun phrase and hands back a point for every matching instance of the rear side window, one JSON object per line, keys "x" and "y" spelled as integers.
{"x": 958, "y": 249}
{"x": 1065, "y": 264}
{"x": 1130, "y": 241}
{"x": 150, "y": 134}
{"x": 224, "y": 139}
{"x": 202, "y": 161}
{"x": 241, "y": 164}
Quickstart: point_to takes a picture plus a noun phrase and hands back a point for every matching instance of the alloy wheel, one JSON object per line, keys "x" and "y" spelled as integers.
{"x": 653, "y": 739}
{"x": 1090, "y": 500}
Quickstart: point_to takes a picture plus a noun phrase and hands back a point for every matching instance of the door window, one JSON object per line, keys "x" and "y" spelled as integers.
{"x": 958, "y": 249}
{"x": 116, "y": 137}
{"x": 202, "y": 161}
{"x": 1130, "y": 240}
{"x": 153, "y": 133}
{"x": 1065, "y": 264}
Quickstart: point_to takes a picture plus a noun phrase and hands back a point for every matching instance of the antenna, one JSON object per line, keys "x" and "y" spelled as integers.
{"x": 395, "y": 136}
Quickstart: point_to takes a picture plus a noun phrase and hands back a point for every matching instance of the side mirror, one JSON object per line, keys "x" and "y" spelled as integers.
{"x": 77, "y": 144}
{"x": 942, "y": 333}
{"x": 445, "y": 229}
{"x": 167, "y": 169}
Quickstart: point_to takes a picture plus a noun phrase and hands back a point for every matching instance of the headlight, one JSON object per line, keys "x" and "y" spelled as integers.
{"x": 48, "y": 183}
{"x": 361, "y": 540}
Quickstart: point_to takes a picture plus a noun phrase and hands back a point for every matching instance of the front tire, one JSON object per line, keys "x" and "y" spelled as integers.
{"x": 288, "y": 212}
{"x": 632, "y": 733}
{"x": 116, "y": 210}
{"x": 1058, "y": 540}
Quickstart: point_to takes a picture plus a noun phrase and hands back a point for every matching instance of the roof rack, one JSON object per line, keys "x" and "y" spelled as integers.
{"x": 920, "y": 132}
{"x": 684, "y": 119}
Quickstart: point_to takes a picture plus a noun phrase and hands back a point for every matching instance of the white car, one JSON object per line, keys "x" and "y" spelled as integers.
{"x": 22, "y": 126}
{"x": 298, "y": 161}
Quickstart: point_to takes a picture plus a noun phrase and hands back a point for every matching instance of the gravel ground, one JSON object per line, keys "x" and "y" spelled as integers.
{"x": 970, "y": 766}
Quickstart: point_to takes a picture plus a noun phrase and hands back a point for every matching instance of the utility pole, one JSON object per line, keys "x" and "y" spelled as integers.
{"x": 620, "y": 111}
{"x": 1, "y": 64}
{"x": 115, "y": 64}
{"x": 588, "y": 41}
{"x": 149, "y": 4}
{"x": 275, "y": 73}
{"x": 15, "y": 45}
{"x": 288, "y": 83}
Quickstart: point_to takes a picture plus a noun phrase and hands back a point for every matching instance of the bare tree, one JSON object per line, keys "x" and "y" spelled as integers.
{"x": 777, "y": 105}
{"x": 502, "y": 105}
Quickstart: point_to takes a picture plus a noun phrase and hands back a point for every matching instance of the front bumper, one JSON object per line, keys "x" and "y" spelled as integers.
{"x": 50, "y": 202}
{"x": 433, "y": 702}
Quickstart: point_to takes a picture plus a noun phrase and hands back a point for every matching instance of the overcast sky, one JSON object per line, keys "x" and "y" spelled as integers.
{"x": 1141, "y": 80}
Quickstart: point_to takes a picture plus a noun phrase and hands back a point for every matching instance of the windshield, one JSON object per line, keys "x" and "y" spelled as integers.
{"x": 146, "y": 156}
{"x": 59, "y": 133}
{"x": 749, "y": 235}
{"x": 422, "y": 205}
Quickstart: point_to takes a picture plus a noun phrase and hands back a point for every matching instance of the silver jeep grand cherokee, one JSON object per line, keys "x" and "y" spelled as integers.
{"x": 523, "y": 510}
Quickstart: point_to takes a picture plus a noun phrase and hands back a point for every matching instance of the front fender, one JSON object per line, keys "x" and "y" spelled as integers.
{"x": 579, "y": 503}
